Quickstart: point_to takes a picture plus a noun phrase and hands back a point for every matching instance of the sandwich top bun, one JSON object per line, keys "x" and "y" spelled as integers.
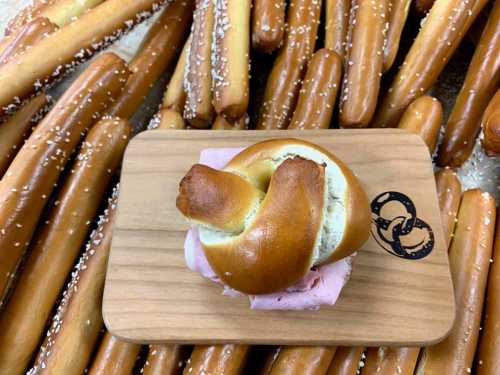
{"x": 277, "y": 209}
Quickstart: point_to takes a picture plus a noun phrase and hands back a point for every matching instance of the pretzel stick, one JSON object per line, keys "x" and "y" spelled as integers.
{"x": 165, "y": 360}
{"x": 57, "y": 243}
{"x": 470, "y": 254}
{"x": 481, "y": 82}
{"x": 198, "y": 109}
{"x": 16, "y": 129}
{"x": 28, "y": 14}
{"x": 26, "y": 37}
{"x": 365, "y": 56}
{"x": 440, "y": 35}
{"x": 318, "y": 93}
{"x": 221, "y": 123}
{"x": 71, "y": 44}
{"x": 30, "y": 179}
{"x": 230, "y": 57}
{"x": 159, "y": 48}
{"x": 217, "y": 359}
{"x": 397, "y": 19}
{"x": 297, "y": 360}
{"x": 114, "y": 357}
{"x": 488, "y": 357}
{"x": 423, "y": 117}
{"x": 268, "y": 25}
{"x": 390, "y": 361}
{"x": 283, "y": 84}
{"x": 491, "y": 127}
{"x": 66, "y": 11}
{"x": 346, "y": 361}
{"x": 175, "y": 96}
{"x": 449, "y": 192}
{"x": 167, "y": 119}
{"x": 76, "y": 326}
{"x": 337, "y": 24}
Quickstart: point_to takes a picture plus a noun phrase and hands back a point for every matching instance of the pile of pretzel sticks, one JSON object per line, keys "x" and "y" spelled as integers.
{"x": 330, "y": 61}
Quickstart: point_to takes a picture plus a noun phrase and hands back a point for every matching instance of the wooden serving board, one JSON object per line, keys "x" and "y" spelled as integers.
{"x": 151, "y": 296}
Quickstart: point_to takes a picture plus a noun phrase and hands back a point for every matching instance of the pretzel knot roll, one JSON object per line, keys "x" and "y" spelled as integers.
{"x": 449, "y": 192}
{"x": 423, "y": 117}
{"x": 158, "y": 49}
{"x": 77, "y": 323}
{"x": 222, "y": 123}
{"x": 390, "y": 361}
{"x": 175, "y": 95}
{"x": 165, "y": 360}
{"x": 283, "y": 84}
{"x": 198, "y": 109}
{"x": 114, "y": 357}
{"x": 57, "y": 243}
{"x": 491, "y": 127}
{"x": 30, "y": 179}
{"x": 230, "y": 57}
{"x": 346, "y": 360}
{"x": 298, "y": 178}
{"x": 26, "y": 37}
{"x": 63, "y": 49}
{"x": 268, "y": 24}
{"x": 167, "y": 119}
{"x": 488, "y": 357}
{"x": 17, "y": 128}
{"x": 337, "y": 24}
{"x": 469, "y": 261}
{"x": 60, "y": 12}
{"x": 481, "y": 82}
{"x": 318, "y": 93}
{"x": 365, "y": 56}
{"x": 293, "y": 360}
{"x": 440, "y": 35}
{"x": 397, "y": 18}
{"x": 217, "y": 359}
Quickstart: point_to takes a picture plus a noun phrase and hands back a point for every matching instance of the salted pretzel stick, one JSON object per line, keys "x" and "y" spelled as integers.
{"x": 17, "y": 128}
{"x": 28, "y": 14}
{"x": 198, "y": 109}
{"x": 217, "y": 359}
{"x": 167, "y": 119}
{"x": 158, "y": 49}
{"x": 469, "y": 261}
{"x": 491, "y": 127}
{"x": 45, "y": 61}
{"x": 440, "y": 35}
{"x": 397, "y": 19}
{"x": 57, "y": 243}
{"x": 337, "y": 24}
{"x": 165, "y": 360}
{"x": 423, "y": 117}
{"x": 297, "y": 360}
{"x": 175, "y": 96}
{"x": 230, "y": 57}
{"x": 318, "y": 92}
{"x": 77, "y": 323}
{"x": 283, "y": 84}
{"x": 481, "y": 82}
{"x": 390, "y": 361}
{"x": 365, "y": 56}
{"x": 221, "y": 123}
{"x": 488, "y": 357}
{"x": 26, "y": 37}
{"x": 449, "y": 192}
{"x": 66, "y": 11}
{"x": 346, "y": 360}
{"x": 30, "y": 179}
{"x": 114, "y": 357}
{"x": 268, "y": 24}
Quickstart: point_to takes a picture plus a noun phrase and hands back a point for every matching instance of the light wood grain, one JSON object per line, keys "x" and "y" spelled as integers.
{"x": 151, "y": 296}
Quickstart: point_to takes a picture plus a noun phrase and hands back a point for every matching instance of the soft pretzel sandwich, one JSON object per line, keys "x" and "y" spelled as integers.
{"x": 277, "y": 209}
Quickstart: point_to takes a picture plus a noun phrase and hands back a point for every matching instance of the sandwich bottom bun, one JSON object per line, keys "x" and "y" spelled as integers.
{"x": 294, "y": 206}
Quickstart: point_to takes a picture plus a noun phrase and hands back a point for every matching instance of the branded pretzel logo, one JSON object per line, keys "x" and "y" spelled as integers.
{"x": 397, "y": 229}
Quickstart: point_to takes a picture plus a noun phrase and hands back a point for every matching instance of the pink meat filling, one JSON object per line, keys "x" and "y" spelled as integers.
{"x": 320, "y": 286}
